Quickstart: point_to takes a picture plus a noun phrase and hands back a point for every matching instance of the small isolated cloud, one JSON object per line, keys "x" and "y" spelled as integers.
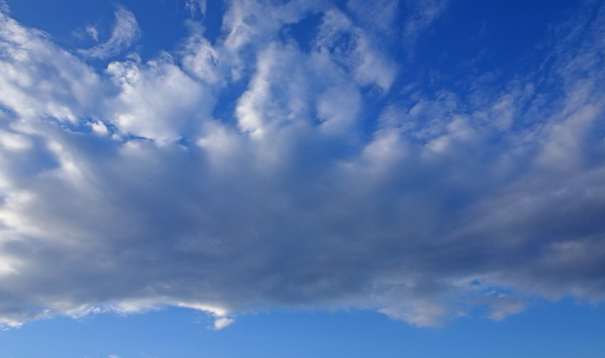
{"x": 195, "y": 6}
{"x": 221, "y": 323}
{"x": 125, "y": 31}
{"x": 113, "y": 356}
{"x": 92, "y": 32}
{"x": 87, "y": 33}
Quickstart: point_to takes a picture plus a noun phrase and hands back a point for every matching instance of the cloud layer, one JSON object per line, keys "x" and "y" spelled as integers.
{"x": 249, "y": 173}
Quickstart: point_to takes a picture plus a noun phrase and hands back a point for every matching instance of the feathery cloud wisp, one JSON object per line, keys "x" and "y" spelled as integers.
{"x": 125, "y": 31}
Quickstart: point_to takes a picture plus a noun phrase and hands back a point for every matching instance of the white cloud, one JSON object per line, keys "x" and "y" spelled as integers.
{"x": 42, "y": 80}
{"x": 196, "y": 6}
{"x": 352, "y": 47}
{"x": 380, "y": 14}
{"x": 13, "y": 141}
{"x": 92, "y": 32}
{"x": 125, "y": 31}
{"x": 120, "y": 191}
{"x": 200, "y": 58}
{"x": 157, "y": 99}
{"x": 99, "y": 128}
{"x": 249, "y": 21}
{"x": 221, "y": 323}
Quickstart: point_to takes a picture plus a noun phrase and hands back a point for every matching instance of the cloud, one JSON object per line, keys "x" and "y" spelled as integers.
{"x": 424, "y": 13}
{"x": 380, "y": 15}
{"x": 353, "y": 47}
{"x": 92, "y": 32}
{"x": 157, "y": 100}
{"x": 200, "y": 58}
{"x": 248, "y": 21}
{"x": 145, "y": 355}
{"x": 124, "y": 33}
{"x": 196, "y": 6}
{"x": 132, "y": 188}
{"x": 221, "y": 323}
{"x": 42, "y": 80}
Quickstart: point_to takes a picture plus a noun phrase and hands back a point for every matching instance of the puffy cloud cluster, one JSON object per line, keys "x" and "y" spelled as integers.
{"x": 123, "y": 190}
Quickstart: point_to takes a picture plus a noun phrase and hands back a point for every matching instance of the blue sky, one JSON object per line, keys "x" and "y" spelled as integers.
{"x": 302, "y": 178}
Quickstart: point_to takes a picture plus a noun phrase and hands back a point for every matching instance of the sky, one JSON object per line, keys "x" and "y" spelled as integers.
{"x": 267, "y": 178}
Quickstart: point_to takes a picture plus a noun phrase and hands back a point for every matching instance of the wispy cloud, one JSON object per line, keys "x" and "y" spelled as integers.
{"x": 125, "y": 31}
{"x": 145, "y": 355}
{"x": 423, "y": 14}
{"x": 380, "y": 14}
{"x": 92, "y": 32}
{"x": 196, "y": 6}
{"x": 353, "y": 47}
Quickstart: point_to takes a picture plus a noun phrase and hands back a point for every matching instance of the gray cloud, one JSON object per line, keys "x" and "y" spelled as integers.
{"x": 121, "y": 192}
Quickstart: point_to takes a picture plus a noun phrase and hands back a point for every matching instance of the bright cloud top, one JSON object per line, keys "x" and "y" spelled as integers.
{"x": 152, "y": 183}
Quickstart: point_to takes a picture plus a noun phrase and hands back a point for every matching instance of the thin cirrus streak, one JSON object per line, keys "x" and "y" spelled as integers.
{"x": 123, "y": 191}
{"x": 124, "y": 33}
